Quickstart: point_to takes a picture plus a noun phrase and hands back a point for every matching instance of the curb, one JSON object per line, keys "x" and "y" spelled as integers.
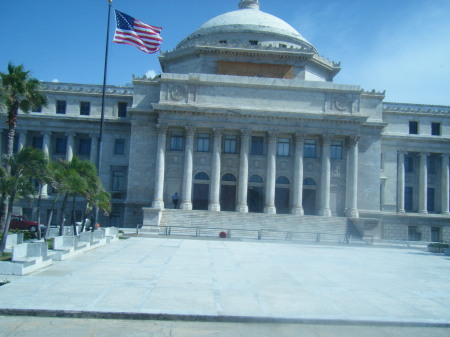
{"x": 213, "y": 318}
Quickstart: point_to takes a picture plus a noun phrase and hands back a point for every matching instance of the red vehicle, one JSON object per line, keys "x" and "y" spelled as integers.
{"x": 21, "y": 223}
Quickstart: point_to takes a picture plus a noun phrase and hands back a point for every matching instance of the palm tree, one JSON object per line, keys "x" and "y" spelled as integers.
{"x": 20, "y": 92}
{"x": 17, "y": 183}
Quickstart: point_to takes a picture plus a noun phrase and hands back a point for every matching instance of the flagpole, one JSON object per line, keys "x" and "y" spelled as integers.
{"x": 102, "y": 117}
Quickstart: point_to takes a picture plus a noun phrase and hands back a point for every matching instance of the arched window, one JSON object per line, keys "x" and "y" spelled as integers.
{"x": 282, "y": 180}
{"x": 228, "y": 177}
{"x": 309, "y": 182}
{"x": 201, "y": 176}
{"x": 255, "y": 179}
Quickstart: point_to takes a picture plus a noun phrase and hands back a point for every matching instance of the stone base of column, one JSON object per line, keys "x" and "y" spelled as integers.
{"x": 186, "y": 206}
{"x": 423, "y": 212}
{"x": 298, "y": 211}
{"x": 401, "y": 211}
{"x": 352, "y": 213}
{"x": 445, "y": 213}
{"x": 270, "y": 210}
{"x": 158, "y": 204}
{"x": 325, "y": 212}
{"x": 214, "y": 207}
{"x": 242, "y": 208}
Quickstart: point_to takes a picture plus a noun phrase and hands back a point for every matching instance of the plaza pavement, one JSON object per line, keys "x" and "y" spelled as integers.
{"x": 192, "y": 287}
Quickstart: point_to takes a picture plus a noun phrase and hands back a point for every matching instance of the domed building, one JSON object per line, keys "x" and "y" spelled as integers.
{"x": 246, "y": 125}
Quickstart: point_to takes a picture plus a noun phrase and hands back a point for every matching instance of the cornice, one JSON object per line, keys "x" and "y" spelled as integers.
{"x": 416, "y": 109}
{"x": 85, "y": 89}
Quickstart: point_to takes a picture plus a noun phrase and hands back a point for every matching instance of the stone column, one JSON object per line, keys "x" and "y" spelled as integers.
{"x": 70, "y": 145}
{"x": 22, "y": 140}
{"x": 297, "y": 207}
{"x": 325, "y": 179}
{"x": 94, "y": 149}
{"x": 445, "y": 198}
{"x": 243, "y": 172}
{"x": 214, "y": 195}
{"x": 352, "y": 184}
{"x": 423, "y": 183}
{"x": 46, "y": 149}
{"x": 271, "y": 173}
{"x": 186, "y": 202}
{"x": 158, "y": 199}
{"x": 401, "y": 182}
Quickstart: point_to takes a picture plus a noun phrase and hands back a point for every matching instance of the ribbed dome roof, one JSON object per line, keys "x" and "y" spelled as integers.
{"x": 250, "y": 20}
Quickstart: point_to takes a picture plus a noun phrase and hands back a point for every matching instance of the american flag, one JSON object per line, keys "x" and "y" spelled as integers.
{"x": 136, "y": 33}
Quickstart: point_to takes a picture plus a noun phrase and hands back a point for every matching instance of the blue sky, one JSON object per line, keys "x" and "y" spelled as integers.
{"x": 399, "y": 46}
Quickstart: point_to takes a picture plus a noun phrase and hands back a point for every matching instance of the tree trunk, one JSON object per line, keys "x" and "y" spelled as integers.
{"x": 3, "y": 207}
{"x": 75, "y": 229}
{"x": 38, "y": 206}
{"x": 50, "y": 216}
{"x": 62, "y": 217}
{"x": 8, "y": 221}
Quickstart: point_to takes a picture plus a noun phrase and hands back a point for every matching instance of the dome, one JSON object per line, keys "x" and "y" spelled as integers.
{"x": 251, "y": 22}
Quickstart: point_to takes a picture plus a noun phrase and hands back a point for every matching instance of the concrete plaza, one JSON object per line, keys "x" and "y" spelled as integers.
{"x": 248, "y": 283}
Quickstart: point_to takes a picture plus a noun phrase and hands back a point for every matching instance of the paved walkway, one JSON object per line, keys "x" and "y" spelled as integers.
{"x": 241, "y": 282}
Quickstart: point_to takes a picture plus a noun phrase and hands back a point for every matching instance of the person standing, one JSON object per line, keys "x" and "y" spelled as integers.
{"x": 175, "y": 199}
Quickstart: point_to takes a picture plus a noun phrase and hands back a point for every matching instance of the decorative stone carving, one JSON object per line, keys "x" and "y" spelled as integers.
{"x": 341, "y": 103}
{"x": 177, "y": 93}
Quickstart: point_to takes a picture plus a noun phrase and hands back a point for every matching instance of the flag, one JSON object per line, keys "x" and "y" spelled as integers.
{"x": 136, "y": 33}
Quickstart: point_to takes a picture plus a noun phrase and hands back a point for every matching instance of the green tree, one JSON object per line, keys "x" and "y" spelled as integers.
{"x": 17, "y": 183}
{"x": 20, "y": 92}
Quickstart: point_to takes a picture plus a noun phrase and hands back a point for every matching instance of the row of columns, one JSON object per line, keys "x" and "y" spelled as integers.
{"x": 423, "y": 183}
{"x": 46, "y": 139}
{"x": 214, "y": 202}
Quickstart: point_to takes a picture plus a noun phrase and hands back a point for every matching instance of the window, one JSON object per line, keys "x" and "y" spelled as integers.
{"x": 176, "y": 142}
{"x": 409, "y": 164}
{"x": 309, "y": 182}
{"x": 257, "y": 145}
{"x": 309, "y": 148}
{"x": 413, "y": 128}
{"x": 119, "y": 147}
{"x": 61, "y": 107}
{"x": 201, "y": 176}
{"x": 414, "y": 234}
{"x": 408, "y": 199}
{"x": 282, "y": 180}
{"x": 85, "y": 108}
{"x": 228, "y": 177}
{"x": 435, "y": 129}
{"x": 283, "y": 147}
{"x": 253, "y": 42}
{"x": 122, "y": 109}
{"x": 255, "y": 179}
{"x": 203, "y": 142}
{"x": 60, "y": 145}
{"x": 431, "y": 164}
{"x": 37, "y": 108}
{"x": 38, "y": 142}
{"x": 230, "y": 144}
{"x": 84, "y": 146}
{"x": 336, "y": 150}
{"x": 435, "y": 234}
{"x": 118, "y": 175}
{"x": 430, "y": 199}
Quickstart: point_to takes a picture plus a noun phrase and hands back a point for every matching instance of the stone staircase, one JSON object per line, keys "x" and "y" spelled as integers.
{"x": 257, "y": 225}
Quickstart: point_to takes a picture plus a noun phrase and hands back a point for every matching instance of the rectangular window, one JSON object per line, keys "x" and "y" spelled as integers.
{"x": 435, "y": 129}
{"x": 413, "y": 128}
{"x": 435, "y": 234}
{"x": 122, "y": 109}
{"x": 408, "y": 199}
{"x": 119, "y": 147}
{"x": 257, "y": 145}
{"x": 38, "y": 141}
{"x": 430, "y": 199}
{"x": 203, "y": 142}
{"x": 414, "y": 234}
{"x": 409, "y": 164}
{"x": 117, "y": 180}
{"x": 60, "y": 145}
{"x": 85, "y": 108}
{"x": 176, "y": 142}
{"x": 336, "y": 150}
{"x": 309, "y": 148}
{"x": 61, "y": 107}
{"x": 431, "y": 164}
{"x": 283, "y": 147}
{"x": 84, "y": 146}
{"x": 230, "y": 144}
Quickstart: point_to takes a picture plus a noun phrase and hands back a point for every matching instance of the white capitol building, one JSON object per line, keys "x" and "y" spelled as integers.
{"x": 246, "y": 118}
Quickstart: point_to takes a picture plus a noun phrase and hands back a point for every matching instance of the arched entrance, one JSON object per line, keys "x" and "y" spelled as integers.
{"x": 228, "y": 193}
{"x": 255, "y": 194}
{"x": 282, "y": 195}
{"x": 200, "y": 197}
{"x": 309, "y": 196}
